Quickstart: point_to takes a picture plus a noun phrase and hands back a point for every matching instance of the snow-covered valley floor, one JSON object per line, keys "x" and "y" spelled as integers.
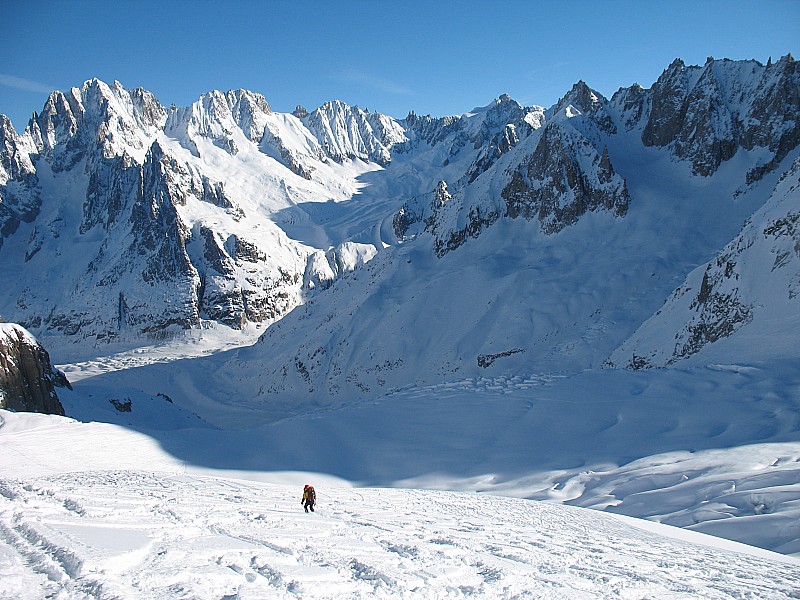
{"x": 452, "y": 490}
{"x": 152, "y": 504}
{"x": 711, "y": 448}
{"x": 143, "y": 534}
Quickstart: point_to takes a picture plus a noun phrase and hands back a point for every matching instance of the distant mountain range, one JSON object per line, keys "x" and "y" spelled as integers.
{"x": 390, "y": 252}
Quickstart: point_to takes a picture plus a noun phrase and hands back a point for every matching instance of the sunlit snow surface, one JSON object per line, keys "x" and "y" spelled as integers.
{"x": 168, "y": 508}
{"x": 140, "y": 534}
{"x": 186, "y": 495}
{"x": 711, "y": 448}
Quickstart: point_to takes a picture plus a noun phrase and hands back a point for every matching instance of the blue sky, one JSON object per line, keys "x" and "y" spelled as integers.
{"x": 431, "y": 57}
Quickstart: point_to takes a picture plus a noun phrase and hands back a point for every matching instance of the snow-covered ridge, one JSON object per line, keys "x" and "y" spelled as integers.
{"x": 216, "y": 116}
{"x": 706, "y": 114}
{"x": 222, "y": 211}
{"x": 346, "y": 132}
{"x": 96, "y": 120}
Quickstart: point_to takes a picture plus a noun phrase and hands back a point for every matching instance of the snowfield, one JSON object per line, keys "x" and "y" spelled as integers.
{"x": 510, "y": 367}
{"x": 711, "y": 448}
{"x": 165, "y": 505}
{"x": 143, "y": 534}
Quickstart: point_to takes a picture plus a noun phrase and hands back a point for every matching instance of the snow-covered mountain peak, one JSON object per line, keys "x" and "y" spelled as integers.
{"x": 349, "y": 132}
{"x": 582, "y": 100}
{"x": 581, "y": 96}
{"x": 249, "y": 110}
{"x": 125, "y": 122}
{"x": 209, "y": 117}
{"x": 15, "y": 152}
{"x": 501, "y": 104}
{"x": 20, "y": 197}
{"x": 483, "y": 122}
{"x": 96, "y": 120}
{"x": 221, "y": 118}
{"x": 676, "y": 71}
{"x": 55, "y": 125}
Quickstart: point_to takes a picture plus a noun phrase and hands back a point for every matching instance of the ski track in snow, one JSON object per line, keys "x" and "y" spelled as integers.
{"x": 136, "y": 534}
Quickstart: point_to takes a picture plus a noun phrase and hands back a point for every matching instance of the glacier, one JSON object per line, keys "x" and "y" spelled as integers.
{"x": 593, "y": 304}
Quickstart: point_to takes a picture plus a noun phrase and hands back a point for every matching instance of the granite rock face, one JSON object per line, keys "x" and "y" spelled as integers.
{"x": 27, "y": 377}
{"x": 20, "y": 193}
{"x": 706, "y": 114}
{"x": 563, "y": 179}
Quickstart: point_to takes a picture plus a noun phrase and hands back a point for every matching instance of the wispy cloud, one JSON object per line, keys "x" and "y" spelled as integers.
{"x": 27, "y": 85}
{"x": 378, "y": 83}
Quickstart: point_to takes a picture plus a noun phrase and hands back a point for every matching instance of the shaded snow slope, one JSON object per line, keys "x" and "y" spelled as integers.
{"x": 715, "y": 449}
{"x": 512, "y": 301}
{"x": 745, "y": 301}
{"x": 145, "y": 534}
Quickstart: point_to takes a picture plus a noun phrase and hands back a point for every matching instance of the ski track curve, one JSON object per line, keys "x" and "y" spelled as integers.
{"x": 131, "y": 534}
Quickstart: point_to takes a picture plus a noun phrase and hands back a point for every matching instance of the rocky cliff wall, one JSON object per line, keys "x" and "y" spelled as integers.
{"x": 27, "y": 377}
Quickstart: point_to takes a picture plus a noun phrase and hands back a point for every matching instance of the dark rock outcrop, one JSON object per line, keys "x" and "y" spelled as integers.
{"x": 693, "y": 118}
{"x": 500, "y": 144}
{"x": 563, "y": 179}
{"x": 706, "y": 114}
{"x": 220, "y": 296}
{"x": 774, "y": 117}
{"x": 438, "y": 213}
{"x": 27, "y": 377}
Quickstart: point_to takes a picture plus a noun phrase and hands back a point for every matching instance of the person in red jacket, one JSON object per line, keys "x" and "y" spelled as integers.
{"x": 309, "y": 498}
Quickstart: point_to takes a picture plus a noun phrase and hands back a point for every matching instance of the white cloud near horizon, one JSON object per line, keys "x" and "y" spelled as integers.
{"x": 27, "y": 85}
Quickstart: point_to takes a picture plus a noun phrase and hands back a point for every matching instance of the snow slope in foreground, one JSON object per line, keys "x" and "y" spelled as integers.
{"x": 134, "y": 522}
{"x": 137, "y": 534}
{"x": 715, "y": 448}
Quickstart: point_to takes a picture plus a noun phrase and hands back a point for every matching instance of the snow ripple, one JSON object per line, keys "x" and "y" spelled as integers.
{"x": 221, "y": 538}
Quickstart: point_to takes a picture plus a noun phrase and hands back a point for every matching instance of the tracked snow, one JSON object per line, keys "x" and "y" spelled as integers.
{"x": 157, "y": 534}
